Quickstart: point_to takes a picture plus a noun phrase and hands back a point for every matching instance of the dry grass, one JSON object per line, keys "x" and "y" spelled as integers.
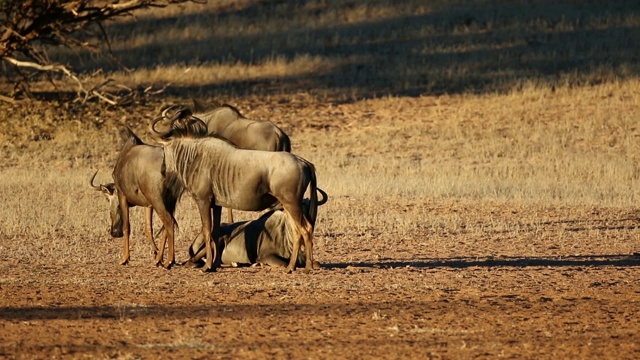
{"x": 404, "y": 109}
{"x": 347, "y": 50}
{"x": 392, "y": 167}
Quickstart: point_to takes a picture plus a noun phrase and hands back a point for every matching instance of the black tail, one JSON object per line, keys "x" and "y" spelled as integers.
{"x": 313, "y": 196}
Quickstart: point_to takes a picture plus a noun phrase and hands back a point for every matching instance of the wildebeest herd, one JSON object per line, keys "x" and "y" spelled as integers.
{"x": 222, "y": 159}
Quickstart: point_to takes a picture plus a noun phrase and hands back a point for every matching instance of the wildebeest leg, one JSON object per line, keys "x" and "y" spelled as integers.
{"x": 302, "y": 231}
{"x": 196, "y": 252}
{"x": 215, "y": 231}
{"x": 195, "y": 246}
{"x": 148, "y": 217}
{"x": 205, "y": 206}
{"x": 169, "y": 237}
{"x": 126, "y": 229}
{"x": 272, "y": 260}
{"x": 295, "y": 215}
{"x": 229, "y": 216}
{"x": 307, "y": 235}
{"x": 160, "y": 254}
{"x": 168, "y": 225}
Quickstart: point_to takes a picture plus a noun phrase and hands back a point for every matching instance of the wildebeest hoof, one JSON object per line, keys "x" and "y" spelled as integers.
{"x": 208, "y": 269}
{"x": 192, "y": 264}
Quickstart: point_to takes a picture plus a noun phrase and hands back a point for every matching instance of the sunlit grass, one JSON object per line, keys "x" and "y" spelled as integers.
{"x": 351, "y": 50}
{"x": 530, "y": 109}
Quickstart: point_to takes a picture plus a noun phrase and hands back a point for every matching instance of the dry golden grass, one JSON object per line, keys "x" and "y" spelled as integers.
{"x": 388, "y": 165}
{"x": 354, "y": 49}
{"x": 530, "y": 108}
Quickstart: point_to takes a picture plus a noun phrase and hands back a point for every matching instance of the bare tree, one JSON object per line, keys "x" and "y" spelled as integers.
{"x": 28, "y": 26}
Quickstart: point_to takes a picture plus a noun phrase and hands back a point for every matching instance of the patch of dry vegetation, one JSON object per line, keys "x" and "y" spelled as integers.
{"x": 347, "y": 50}
{"x": 388, "y": 165}
{"x": 524, "y": 110}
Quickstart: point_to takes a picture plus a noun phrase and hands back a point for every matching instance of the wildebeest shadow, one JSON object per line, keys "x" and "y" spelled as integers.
{"x": 502, "y": 261}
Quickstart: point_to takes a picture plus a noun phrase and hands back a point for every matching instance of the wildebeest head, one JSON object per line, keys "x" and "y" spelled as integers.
{"x": 115, "y": 213}
{"x": 182, "y": 124}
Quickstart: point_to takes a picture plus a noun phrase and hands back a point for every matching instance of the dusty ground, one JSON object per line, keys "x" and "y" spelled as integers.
{"x": 551, "y": 289}
{"x": 460, "y": 279}
{"x": 447, "y": 277}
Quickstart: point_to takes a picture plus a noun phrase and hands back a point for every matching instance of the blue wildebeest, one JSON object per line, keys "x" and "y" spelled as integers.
{"x": 227, "y": 121}
{"x": 139, "y": 181}
{"x": 219, "y": 174}
{"x": 266, "y": 240}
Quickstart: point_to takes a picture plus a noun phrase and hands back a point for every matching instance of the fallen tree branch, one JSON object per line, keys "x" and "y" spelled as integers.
{"x": 26, "y": 25}
{"x": 48, "y": 67}
{"x": 8, "y": 99}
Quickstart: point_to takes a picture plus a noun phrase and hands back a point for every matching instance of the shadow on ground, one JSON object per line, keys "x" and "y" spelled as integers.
{"x": 502, "y": 261}
{"x": 443, "y": 49}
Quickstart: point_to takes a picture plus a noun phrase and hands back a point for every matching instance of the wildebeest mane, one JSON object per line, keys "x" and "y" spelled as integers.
{"x": 172, "y": 192}
{"x": 131, "y": 140}
{"x": 200, "y": 107}
{"x": 188, "y": 152}
{"x": 184, "y": 124}
{"x": 217, "y": 107}
{"x": 232, "y": 108}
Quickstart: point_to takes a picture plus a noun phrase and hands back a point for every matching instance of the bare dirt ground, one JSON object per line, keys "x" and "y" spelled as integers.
{"x": 553, "y": 290}
{"x": 550, "y": 289}
{"x": 469, "y": 279}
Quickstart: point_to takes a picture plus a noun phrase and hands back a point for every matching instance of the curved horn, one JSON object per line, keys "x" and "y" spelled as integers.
{"x": 165, "y": 111}
{"x": 182, "y": 114}
{"x": 325, "y": 197}
{"x": 91, "y": 182}
{"x": 152, "y": 125}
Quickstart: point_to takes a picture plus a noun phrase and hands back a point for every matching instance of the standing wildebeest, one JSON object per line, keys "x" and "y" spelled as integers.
{"x": 266, "y": 240}
{"x": 227, "y": 121}
{"x": 218, "y": 174}
{"x": 139, "y": 181}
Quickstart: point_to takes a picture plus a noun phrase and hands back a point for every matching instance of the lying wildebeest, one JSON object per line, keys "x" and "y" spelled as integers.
{"x": 218, "y": 174}
{"x": 266, "y": 240}
{"x": 139, "y": 181}
{"x": 227, "y": 121}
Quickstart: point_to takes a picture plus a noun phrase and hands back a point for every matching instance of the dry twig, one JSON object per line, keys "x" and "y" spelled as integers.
{"x": 25, "y": 25}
